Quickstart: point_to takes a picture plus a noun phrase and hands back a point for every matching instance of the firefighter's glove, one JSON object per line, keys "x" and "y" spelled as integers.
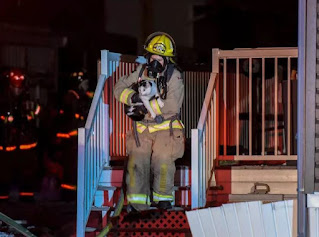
{"x": 136, "y": 100}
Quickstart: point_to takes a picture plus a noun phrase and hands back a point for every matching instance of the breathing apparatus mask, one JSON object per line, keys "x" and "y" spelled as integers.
{"x": 154, "y": 68}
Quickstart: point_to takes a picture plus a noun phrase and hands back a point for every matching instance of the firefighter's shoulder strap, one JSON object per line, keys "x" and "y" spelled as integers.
{"x": 169, "y": 72}
{"x": 141, "y": 71}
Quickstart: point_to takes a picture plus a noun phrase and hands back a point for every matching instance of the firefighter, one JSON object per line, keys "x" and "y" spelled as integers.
{"x": 18, "y": 113}
{"x": 74, "y": 106}
{"x": 77, "y": 100}
{"x": 18, "y": 132}
{"x": 154, "y": 144}
{"x": 71, "y": 114}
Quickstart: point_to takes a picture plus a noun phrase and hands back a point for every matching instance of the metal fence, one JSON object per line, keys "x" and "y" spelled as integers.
{"x": 249, "y": 112}
{"x": 195, "y": 88}
{"x": 257, "y": 92}
{"x": 93, "y": 145}
{"x": 204, "y": 146}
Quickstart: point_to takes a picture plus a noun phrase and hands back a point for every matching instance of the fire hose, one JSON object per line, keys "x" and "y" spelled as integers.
{"x": 118, "y": 207}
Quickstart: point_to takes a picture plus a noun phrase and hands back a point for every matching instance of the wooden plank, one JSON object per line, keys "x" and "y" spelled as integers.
{"x": 275, "y": 188}
{"x": 267, "y": 157}
{"x": 255, "y": 197}
{"x": 290, "y": 196}
{"x": 259, "y": 53}
{"x": 246, "y": 175}
{"x": 257, "y": 157}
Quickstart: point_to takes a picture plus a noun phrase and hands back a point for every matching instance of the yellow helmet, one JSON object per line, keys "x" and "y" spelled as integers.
{"x": 160, "y": 43}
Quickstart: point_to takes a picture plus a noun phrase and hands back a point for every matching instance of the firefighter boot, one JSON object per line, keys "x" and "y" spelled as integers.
{"x": 164, "y": 205}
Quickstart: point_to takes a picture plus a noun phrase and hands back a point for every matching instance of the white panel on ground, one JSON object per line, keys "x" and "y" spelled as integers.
{"x": 244, "y": 220}
{"x": 313, "y": 215}
{"x": 256, "y": 219}
{"x": 282, "y": 219}
{"x": 206, "y": 219}
{"x": 195, "y": 224}
{"x": 232, "y": 220}
{"x": 269, "y": 222}
{"x": 219, "y": 221}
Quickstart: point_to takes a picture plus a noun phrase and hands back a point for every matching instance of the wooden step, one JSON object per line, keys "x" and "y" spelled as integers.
{"x": 106, "y": 188}
{"x": 102, "y": 208}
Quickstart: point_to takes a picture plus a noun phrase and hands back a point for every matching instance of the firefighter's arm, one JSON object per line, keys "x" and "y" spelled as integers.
{"x": 175, "y": 96}
{"x": 122, "y": 90}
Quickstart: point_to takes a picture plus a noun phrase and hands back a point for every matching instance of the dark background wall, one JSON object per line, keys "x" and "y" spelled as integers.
{"x": 81, "y": 28}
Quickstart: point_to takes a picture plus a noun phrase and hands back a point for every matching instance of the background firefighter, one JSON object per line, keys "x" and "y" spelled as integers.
{"x": 18, "y": 134}
{"x": 71, "y": 114}
{"x": 161, "y": 141}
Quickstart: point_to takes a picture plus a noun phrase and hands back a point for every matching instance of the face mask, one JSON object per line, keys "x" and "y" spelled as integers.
{"x": 154, "y": 68}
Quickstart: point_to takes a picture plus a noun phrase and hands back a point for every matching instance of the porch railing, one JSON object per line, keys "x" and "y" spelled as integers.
{"x": 204, "y": 146}
{"x": 93, "y": 145}
{"x": 249, "y": 112}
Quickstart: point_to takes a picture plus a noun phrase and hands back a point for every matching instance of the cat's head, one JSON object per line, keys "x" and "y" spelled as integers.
{"x": 145, "y": 87}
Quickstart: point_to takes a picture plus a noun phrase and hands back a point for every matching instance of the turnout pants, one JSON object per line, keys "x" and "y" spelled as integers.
{"x": 156, "y": 155}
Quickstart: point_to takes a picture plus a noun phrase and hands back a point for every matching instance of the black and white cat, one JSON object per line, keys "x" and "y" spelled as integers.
{"x": 147, "y": 90}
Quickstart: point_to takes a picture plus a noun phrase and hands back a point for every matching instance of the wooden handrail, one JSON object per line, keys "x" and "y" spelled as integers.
{"x": 208, "y": 96}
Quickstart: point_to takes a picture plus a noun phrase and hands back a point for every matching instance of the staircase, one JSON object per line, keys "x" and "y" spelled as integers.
{"x": 228, "y": 155}
{"x": 101, "y": 155}
{"x": 164, "y": 223}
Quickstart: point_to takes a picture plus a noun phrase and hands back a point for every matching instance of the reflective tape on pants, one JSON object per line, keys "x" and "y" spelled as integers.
{"x": 138, "y": 198}
{"x": 159, "y": 197}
